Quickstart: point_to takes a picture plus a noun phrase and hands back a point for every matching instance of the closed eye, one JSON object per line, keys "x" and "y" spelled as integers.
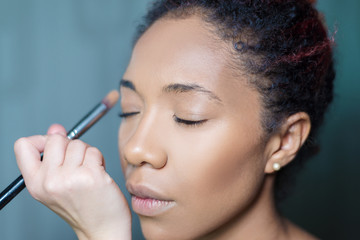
{"x": 127, "y": 114}
{"x": 188, "y": 122}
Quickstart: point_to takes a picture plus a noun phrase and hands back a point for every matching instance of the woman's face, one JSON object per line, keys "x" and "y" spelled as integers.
{"x": 191, "y": 142}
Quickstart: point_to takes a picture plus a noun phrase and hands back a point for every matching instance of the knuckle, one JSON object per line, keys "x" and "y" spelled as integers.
{"x": 51, "y": 186}
{"x": 76, "y": 142}
{"x": 19, "y": 142}
{"x": 48, "y": 186}
{"x": 69, "y": 183}
{"x": 87, "y": 178}
{"x": 56, "y": 187}
{"x": 83, "y": 180}
{"x": 94, "y": 151}
{"x": 109, "y": 180}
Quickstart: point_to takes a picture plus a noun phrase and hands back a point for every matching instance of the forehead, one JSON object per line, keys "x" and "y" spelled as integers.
{"x": 186, "y": 51}
{"x": 186, "y": 47}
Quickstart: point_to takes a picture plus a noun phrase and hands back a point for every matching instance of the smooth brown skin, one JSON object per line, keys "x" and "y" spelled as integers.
{"x": 219, "y": 173}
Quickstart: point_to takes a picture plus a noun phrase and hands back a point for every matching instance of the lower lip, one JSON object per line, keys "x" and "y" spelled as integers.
{"x": 149, "y": 206}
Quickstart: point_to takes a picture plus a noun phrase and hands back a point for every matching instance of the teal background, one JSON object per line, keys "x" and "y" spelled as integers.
{"x": 59, "y": 58}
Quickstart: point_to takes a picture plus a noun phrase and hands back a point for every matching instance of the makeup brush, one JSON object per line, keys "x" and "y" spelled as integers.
{"x": 81, "y": 127}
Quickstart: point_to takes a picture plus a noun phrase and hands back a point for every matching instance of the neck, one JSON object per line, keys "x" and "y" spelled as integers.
{"x": 260, "y": 221}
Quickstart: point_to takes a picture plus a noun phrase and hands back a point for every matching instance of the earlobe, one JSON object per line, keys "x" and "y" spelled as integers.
{"x": 288, "y": 141}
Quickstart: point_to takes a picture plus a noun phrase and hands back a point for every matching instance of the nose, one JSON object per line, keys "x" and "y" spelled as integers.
{"x": 145, "y": 145}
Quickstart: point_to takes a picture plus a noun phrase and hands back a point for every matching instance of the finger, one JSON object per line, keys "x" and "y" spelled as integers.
{"x": 75, "y": 153}
{"x": 93, "y": 157}
{"x": 27, "y": 151}
{"x": 54, "y": 152}
{"x": 56, "y": 129}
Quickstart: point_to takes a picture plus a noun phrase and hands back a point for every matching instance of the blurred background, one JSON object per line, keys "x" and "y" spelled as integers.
{"x": 59, "y": 58}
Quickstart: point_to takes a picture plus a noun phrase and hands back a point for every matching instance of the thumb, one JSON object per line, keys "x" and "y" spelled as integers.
{"x": 56, "y": 129}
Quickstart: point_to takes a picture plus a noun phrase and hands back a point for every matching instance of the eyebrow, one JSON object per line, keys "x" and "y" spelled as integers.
{"x": 177, "y": 88}
{"x": 183, "y": 88}
{"x": 127, "y": 84}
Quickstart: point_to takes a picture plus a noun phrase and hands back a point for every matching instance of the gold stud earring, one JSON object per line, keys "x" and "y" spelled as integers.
{"x": 276, "y": 166}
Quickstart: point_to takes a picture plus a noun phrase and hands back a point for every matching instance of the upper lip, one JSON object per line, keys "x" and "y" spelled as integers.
{"x": 143, "y": 191}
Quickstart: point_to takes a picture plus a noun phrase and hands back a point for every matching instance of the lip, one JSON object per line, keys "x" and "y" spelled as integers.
{"x": 147, "y": 201}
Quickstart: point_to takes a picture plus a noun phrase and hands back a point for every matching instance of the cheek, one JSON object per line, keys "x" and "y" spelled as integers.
{"x": 215, "y": 175}
{"x": 219, "y": 162}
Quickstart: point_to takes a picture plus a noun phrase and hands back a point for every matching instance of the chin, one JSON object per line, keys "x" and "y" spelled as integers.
{"x": 155, "y": 230}
{"x": 153, "y": 233}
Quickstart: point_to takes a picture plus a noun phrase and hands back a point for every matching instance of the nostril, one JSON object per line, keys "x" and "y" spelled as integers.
{"x": 135, "y": 160}
{"x": 142, "y": 152}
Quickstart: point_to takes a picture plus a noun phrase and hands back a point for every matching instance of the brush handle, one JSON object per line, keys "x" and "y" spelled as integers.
{"x": 11, "y": 191}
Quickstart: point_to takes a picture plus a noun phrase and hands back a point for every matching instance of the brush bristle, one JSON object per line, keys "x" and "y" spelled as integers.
{"x": 111, "y": 99}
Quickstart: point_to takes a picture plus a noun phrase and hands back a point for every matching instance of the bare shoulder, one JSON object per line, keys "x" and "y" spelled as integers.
{"x": 295, "y": 232}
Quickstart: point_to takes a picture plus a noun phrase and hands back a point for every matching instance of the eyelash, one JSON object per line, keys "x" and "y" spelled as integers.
{"x": 188, "y": 122}
{"x": 176, "y": 119}
{"x": 127, "y": 114}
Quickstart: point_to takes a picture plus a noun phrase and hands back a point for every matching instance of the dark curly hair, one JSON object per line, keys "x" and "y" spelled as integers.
{"x": 283, "y": 46}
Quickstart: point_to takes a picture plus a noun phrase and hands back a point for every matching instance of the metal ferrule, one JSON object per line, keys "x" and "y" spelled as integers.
{"x": 84, "y": 124}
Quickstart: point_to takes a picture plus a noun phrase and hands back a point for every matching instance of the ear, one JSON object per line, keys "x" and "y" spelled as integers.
{"x": 283, "y": 146}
